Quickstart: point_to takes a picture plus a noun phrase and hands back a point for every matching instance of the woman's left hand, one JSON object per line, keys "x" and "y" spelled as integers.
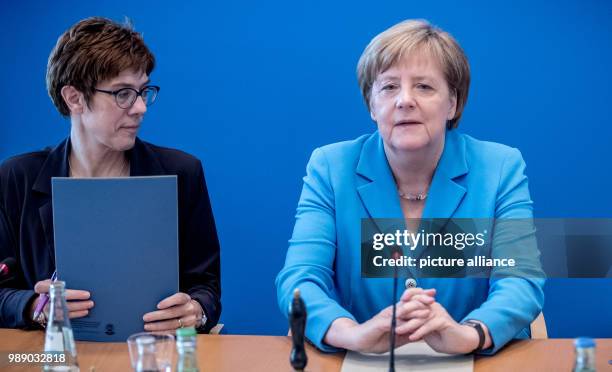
{"x": 176, "y": 311}
{"x": 443, "y": 334}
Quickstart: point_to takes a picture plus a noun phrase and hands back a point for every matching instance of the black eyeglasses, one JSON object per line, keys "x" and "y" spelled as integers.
{"x": 125, "y": 97}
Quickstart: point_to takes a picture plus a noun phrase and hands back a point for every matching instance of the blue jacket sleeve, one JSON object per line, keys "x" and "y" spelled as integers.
{"x": 309, "y": 265}
{"x": 513, "y": 303}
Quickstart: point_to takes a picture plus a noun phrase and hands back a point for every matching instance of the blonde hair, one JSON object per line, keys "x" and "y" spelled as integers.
{"x": 390, "y": 46}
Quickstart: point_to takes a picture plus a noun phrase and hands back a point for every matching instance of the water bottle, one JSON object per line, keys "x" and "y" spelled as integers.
{"x": 585, "y": 355}
{"x": 146, "y": 355}
{"x": 186, "y": 347}
{"x": 59, "y": 339}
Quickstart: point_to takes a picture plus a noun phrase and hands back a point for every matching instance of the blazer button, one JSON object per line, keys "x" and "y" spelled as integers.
{"x": 411, "y": 283}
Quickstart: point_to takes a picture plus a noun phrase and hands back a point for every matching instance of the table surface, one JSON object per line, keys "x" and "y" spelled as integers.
{"x": 271, "y": 353}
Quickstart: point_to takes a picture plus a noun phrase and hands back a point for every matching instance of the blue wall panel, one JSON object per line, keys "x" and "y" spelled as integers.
{"x": 252, "y": 88}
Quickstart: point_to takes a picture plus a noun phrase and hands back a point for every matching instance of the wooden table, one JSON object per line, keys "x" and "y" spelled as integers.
{"x": 221, "y": 353}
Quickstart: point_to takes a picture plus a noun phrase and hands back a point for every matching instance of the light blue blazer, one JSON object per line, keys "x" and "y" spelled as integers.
{"x": 351, "y": 180}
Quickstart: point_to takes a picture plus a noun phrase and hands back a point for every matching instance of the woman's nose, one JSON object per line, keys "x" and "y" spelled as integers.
{"x": 405, "y": 99}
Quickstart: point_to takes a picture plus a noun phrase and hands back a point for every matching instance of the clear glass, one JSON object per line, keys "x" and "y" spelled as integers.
{"x": 187, "y": 359}
{"x": 163, "y": 349}
{"x": 585, "y": 359}
{"x": 59, "y": 338}
{"x": 146, "y": 355}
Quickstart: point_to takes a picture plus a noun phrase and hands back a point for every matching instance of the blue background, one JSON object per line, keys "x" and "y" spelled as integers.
{"x": 252, "y": 88}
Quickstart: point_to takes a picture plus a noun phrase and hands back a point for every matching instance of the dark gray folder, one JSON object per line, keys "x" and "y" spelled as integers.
{"x": 118, "y": 239}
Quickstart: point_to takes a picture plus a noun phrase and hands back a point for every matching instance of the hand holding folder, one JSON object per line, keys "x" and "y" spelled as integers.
{"x": 78, "y": 300}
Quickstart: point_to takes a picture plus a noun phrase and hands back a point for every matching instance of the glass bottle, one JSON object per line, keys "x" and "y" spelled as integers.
{"x": 59, "y": 339}
{"x": 146, "y": 355}
{"x": 585, "y": 354}
{"x": 186, "y": 347}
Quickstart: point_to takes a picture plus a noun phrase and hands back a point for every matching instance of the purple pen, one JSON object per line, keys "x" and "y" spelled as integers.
{"x": 43, "y": 299}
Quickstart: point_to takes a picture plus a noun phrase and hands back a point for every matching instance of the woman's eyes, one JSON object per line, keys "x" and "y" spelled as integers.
{"x": 423, "y": 87}
{"x": 389, "y": 87}
{"x": 123, "y": 94}
{"x": 420, "y": 86}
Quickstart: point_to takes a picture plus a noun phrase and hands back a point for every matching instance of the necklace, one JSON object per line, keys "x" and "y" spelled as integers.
{"x": 125, "y": 169}
{"x": 412, "y": 197}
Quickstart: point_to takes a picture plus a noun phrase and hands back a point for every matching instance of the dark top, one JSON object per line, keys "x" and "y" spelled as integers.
{"x": 26, "y": 225}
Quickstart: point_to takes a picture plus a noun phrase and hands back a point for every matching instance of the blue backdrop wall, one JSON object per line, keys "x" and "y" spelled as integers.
{"x": 251, "y": 88}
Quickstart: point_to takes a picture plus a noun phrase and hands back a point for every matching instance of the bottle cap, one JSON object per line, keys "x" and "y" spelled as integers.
{"x": 185, "y": 332}
{"x": 584, "y": 342}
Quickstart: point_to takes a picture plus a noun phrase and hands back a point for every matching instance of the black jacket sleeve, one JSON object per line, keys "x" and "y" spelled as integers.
{"x": 14, "y": 302}
{"x": 200, "y": 263}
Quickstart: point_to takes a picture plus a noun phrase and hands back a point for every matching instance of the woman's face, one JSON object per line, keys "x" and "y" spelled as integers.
{"x": 107, "y": 124}
{"x": 411, "y": 102}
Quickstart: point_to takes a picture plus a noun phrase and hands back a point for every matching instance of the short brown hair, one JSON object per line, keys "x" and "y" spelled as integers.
{"x": 390, "y": 46}
{"x": 93, "y": 50}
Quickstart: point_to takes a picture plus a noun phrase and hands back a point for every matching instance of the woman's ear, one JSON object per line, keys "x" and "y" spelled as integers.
{"x": 453, "y": 105}
{"x": 371, "y": 108}
{"x": 73, "y": 99}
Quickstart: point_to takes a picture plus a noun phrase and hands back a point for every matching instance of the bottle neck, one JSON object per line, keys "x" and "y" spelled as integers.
{"x": 58, "y": 310}
{"x": 56, "y": 291}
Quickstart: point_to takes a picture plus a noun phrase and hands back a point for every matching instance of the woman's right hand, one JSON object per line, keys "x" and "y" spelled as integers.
{"x": 78, "y": 301}
{"x": 373, "y": 336}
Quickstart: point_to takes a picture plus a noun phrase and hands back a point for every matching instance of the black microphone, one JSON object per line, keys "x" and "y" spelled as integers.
{"x": 395, "y": 254}
{"x": 8, "y": 268}
{"x": 297, "y": 323}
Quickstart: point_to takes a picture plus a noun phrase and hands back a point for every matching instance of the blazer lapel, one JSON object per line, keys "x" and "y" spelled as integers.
{"x": 56, "y": 165}
{"x": 377, "y": 190}
{"x": 46, "y": 219}
{"x": 379, "y": 193}
{"x": 445, "y": 193}
{"x": 143, "y": 161}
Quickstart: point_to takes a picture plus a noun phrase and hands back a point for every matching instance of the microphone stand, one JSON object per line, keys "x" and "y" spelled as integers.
{"x": 395, "y": 255}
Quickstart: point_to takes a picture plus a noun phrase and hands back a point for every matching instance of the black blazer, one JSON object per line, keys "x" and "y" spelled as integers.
{"x": 26, "y": 224}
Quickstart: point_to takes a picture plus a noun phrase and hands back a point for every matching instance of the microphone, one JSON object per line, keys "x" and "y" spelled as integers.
{"x": 297, "y": 323}
{"x": 395, "y": 254}
{"x": 8, "y": 268}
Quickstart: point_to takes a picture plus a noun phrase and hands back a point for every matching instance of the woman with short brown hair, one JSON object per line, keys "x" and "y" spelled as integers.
{"x": 98, "y": 77}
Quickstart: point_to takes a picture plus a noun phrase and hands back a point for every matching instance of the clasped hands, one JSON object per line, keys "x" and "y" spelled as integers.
{"x": 418, "y": 317}
{"x": 176, "y": 311}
